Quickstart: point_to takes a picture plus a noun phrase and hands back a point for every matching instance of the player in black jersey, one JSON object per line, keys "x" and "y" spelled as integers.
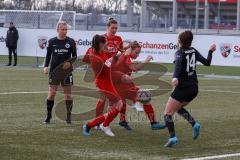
{"x": 59, "y": 50}
{"x": 185, "y": 84}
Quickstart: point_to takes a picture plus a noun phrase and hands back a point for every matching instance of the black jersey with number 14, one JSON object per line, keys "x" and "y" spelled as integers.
{"x": 185, "y": 64}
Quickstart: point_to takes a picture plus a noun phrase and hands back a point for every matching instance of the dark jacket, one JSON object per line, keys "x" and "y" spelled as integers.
{"x": 12, "y": 38}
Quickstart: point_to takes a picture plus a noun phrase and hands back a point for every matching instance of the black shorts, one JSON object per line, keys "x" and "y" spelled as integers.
{"x": 183, "y": 93}
{"x": 67, "y": 82}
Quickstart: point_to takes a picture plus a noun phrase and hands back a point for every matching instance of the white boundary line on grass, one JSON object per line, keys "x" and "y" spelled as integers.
{"x": 214, "y": 157}
{"x": 9, "y": 93}
{"x": 43, "y": 92}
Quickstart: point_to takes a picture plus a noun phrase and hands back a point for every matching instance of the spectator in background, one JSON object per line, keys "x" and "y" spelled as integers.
{"x": 11, "y": 43}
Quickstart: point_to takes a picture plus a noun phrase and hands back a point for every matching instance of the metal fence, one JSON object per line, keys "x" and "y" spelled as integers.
{"x": 151, "y": 21}
{"x": 155, "y": 22}
{"x": 36, "y": 19}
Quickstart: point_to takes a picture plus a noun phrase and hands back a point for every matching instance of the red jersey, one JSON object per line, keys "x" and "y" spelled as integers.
{"x": 113, "y": 45}
{"x": 125, "y": 90}
{"x": 123, "y": 64}
{"x": 86, "y": 56}
{"x": 97, "y": 62}
{"x": 102, "y": 73}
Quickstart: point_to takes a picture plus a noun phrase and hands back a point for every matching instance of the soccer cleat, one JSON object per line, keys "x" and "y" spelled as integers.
{"x": 138, "y": 106}
{"x": 86, "y": 130}
{"x": 68, "y": 119}
{"x": 107, "y": 130}
{"x": 47, "y": 120}
{"x": 171, "y": 142}
{"x": 196, "y": 130}
{"x": 157, "y": 126}
{"x": 125, "y": 125}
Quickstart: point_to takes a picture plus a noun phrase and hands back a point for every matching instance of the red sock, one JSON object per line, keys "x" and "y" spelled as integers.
{"x": 123, "y": 112}
{"x": 110, "y": 116}
{"x": 96, "y": 121}
{"x": 100, "y": 107}
{"x": 149, "y": 112}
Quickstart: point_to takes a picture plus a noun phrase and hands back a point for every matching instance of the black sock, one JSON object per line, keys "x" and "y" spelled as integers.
{"x": 50, "y": 104}
{"x": 69, "y": 105}
{"x": 152, "y": 123}
{"x": 170, "y": 125}
{"x": 185, "y": 114}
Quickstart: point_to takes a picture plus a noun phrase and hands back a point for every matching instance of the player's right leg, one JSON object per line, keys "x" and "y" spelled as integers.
{"x": 110, "y": 116}
{"x": 9, "y": 56}
{"x": 123, "y": 122}
{"x": 171, "y": 107}
{"x": 52, "y": 89}
{"x": 150, "y": 113}
{"x": 100, "y": 105}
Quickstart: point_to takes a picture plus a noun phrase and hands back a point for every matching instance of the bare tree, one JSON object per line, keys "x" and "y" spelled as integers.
{"x": 82, "y": 6}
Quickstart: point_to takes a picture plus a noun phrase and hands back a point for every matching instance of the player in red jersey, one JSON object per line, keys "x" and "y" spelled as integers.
{"x": 129, "y": 90}
{"x": 114, "y": 44}
{"x": 98, "y": 60}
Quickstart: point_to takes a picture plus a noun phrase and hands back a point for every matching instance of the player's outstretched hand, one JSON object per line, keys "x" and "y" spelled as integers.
{"x": 66, "y": 65}
{"x": 148, "y": 59}
{"x": 175, "y": 82}
{"x": 45, "y": 70}
{"x": 213, "y": 47}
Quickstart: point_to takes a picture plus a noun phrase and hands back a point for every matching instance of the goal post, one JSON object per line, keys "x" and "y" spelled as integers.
{"x": 29, "y": 19}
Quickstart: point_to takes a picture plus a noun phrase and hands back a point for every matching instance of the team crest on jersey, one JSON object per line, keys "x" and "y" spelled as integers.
{"x": 42, "y": 42}
{"x": 225, "y": 49}
{"x": 67, "y": 45}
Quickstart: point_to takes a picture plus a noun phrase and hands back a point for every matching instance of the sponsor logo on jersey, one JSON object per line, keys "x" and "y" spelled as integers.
{"x": 112, "y": 47}
{"x": 225, "y": 49}
{"x": 42, "y": 42}
{"x": 61, "y": 51}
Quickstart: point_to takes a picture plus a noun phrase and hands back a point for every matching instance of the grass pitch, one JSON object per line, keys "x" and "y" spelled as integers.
{"x": 24, "y": 137}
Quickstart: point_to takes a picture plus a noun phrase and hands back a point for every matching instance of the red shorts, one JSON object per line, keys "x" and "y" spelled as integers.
{"x": 106, "y": 88}
{"x": 128, "y": 91}
{"x": 125, "y": 90}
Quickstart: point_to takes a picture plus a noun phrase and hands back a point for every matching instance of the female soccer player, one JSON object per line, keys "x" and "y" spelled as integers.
{"x": 186, "y": 84}
{"x": 98, "y": 60}
{"x": 114, "y": 44}
{"x": 59, "y": 50}
{"x": 128, "y": 90}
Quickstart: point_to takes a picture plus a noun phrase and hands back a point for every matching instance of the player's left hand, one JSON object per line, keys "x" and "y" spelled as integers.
{"x": 66, "y": 65}
{"x": 148, "y": 59}
{"x": 175, "y": 82}
{"x": 213, "y": 47}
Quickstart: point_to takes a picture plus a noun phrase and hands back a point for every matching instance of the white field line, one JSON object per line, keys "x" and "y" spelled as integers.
{"x": 215, "y": 157}
{"x": 44, "y": 92}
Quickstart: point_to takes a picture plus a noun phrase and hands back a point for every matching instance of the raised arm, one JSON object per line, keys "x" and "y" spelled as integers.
{"x": 206, "y": 61}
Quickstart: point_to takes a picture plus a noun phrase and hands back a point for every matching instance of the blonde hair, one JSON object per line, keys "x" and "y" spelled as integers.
{"x": 62, "y": 23}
